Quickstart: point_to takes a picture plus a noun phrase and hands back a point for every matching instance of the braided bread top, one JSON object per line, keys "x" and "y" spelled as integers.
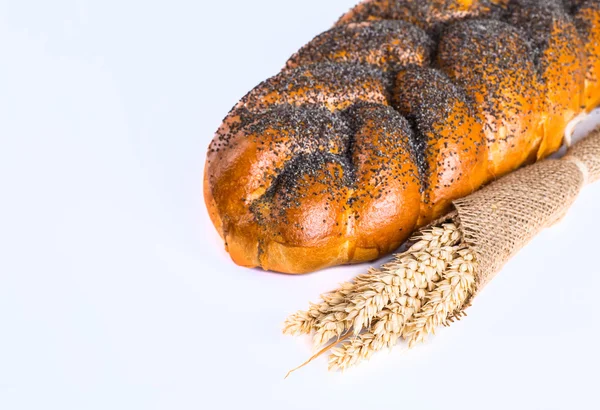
{"x": 376, "y": 125}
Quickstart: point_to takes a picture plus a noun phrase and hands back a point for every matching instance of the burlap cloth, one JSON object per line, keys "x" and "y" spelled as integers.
{"x": 500, "y": 219}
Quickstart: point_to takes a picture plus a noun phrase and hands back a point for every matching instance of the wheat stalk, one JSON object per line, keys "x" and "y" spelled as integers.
{"x": 381, "y": 334}
{"x": 408, "y": 275}
{"x": 445, "y": 300}
{"x": 420, "y": 289}
{"x": 303, "y": 322}
{"x": 385, "y": 332}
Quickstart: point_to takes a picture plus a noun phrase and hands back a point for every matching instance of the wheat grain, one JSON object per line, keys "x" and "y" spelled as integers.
{"x": 385, "y": 332}
{"x": 420, "y": 289}
{"x": 438, "y": 248}
{"x": 303, "y": 322}
{"x": 409, "y": 274}
{"x": 445, "y": 300}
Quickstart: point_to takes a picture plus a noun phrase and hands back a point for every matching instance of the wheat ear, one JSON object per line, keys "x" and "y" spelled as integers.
{"x": 424, "y": 287}
{"x": 409, "y": 274}
{"x": 447, "y": 298}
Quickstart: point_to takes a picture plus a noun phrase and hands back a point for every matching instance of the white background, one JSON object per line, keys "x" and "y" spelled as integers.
{"x": 115, "y": 290}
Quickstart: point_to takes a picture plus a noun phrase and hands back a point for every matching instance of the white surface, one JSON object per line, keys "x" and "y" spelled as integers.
{"x": 115, "y": 290}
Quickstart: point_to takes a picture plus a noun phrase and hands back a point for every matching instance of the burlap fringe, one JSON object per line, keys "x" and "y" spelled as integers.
{"x": 500, "y": 219}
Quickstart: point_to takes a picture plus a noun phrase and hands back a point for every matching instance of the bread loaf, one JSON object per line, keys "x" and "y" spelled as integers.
{"x": 375, "y": 126}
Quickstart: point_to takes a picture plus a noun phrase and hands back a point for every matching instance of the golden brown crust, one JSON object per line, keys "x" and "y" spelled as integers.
{"x": 333, "y": 86}
{"x": 560, "y": 61}
{"x": 386, "y": 198}
{"x": 493, "y": 63}
{"x": 587, "y": 20}
{"x": 430, "y": 15}
{"x": 449, "y": 136}
{"x": 376, "y": 125}
{"x": 294, "y": 187}
{"x": 387, "y": 45}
